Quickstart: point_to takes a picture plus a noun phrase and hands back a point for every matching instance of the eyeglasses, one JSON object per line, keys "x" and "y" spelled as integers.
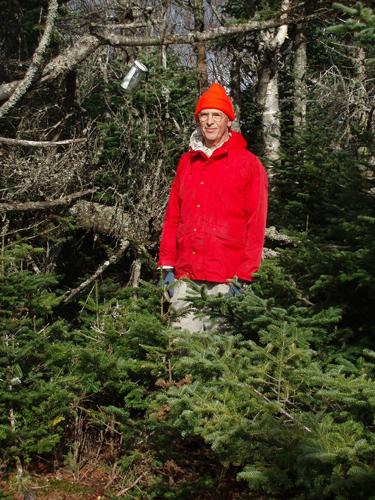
{"x": 216, "y": 117}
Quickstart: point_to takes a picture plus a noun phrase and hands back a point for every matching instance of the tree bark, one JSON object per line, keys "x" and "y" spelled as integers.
{"x": 299, "y": 75}
{"x": 268, "y": 92}
{"x": 235, "y": 86}
{"x": 109, "y": 220}
{"x": 200, "y": 47}
{"x": 271, "y": 123}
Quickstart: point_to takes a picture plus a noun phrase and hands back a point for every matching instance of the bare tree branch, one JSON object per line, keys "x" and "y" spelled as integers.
{"x": 64, "y": 62}
{"x": 38, "y": 144}
{"x": 109, "y": 220}
{"x": 87, "y": 44}
{"x": 70, "y": 57}
{"x": 273, "y": 234}
{"x": 121, "y": 25}
{"x": 121, "y": 493}
{"x": 212, "y": 34}
{"x": 281, "y": 410}
{"x": 36, "y": 61}
{"x": 42, "y": 205}
{"x": 112, "y": 260}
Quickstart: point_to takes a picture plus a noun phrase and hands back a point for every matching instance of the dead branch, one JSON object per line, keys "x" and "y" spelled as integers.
{"x": 70, "y": 57}
{"x": 108, "y": 220}
{"x": 204, "y": 36}
{"x": 87, "y": 44}
{"x": 36, "y": 61}
{"x": 273, "y": 234}
{"x": 64, "y": 62}
{"x": 123, "y": 26}
{"x": 42, "y": 205}
{"x": 112, "y": 260}
{"x": 281, "y": 410}
{"x": 122, "y": 492}
{"x": 38, "y": 144}
{"x": 7, "y": 89}
{"x": 31, "y": 261}
{"x": 269, "y": 253}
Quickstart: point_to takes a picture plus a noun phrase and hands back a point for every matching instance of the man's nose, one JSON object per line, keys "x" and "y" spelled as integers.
{"x": 210, "y": 120}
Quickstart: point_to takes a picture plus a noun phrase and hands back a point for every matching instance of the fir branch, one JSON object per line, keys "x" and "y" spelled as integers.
{"x": 281, "y": 410}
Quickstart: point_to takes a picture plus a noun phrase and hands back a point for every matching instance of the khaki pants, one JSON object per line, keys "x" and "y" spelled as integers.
{"x": 179, "y": 301}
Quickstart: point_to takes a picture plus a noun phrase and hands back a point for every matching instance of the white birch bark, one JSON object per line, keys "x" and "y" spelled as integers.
{"x": 271, "y": 122}
{"x": 268, "y": 94}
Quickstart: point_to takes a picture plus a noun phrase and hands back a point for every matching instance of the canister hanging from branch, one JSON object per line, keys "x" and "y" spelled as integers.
{"x": 134, "y": 76}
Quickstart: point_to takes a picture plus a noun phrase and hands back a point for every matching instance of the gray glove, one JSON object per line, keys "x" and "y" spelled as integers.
{"x": 237, "y": 287}
{"x": 168, "y": 280}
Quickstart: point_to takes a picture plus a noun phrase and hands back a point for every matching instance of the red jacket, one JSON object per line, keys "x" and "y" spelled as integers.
{"x": 216, "y": 215}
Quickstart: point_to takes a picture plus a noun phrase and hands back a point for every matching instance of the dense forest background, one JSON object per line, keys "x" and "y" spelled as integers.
{"x": 99, "y": 395}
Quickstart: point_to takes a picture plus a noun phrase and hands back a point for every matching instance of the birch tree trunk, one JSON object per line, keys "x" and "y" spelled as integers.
{"x": 268, "y": 92}
{"x": 299, "y": 75}
{"x": 271, "y": 122}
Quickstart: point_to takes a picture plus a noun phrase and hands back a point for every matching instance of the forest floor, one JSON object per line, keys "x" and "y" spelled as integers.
{"x": 90, "y": 484}
{"x": 100, "y": 481}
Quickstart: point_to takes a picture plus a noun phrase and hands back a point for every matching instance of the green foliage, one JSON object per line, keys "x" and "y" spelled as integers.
{"x": 263, "y": 397}
{"x": 278, "y": 400}
{"x": 361, "y": 23}
{"x": 37, "y": 387}
{"x": 157, "y": 117}
{"x": 293, "y": 423}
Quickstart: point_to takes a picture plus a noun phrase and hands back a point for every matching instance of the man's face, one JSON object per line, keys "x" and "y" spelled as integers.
{"x": 214, "y": 125}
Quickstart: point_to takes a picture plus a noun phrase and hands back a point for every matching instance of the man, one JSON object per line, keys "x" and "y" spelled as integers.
{"x": 214, "y": 226}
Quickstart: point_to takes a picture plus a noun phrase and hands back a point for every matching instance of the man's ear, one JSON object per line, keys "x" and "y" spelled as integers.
{"x": 229, "y": 124}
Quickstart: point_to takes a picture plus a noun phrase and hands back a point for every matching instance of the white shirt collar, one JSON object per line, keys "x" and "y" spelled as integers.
{"x": 197, "y": 144}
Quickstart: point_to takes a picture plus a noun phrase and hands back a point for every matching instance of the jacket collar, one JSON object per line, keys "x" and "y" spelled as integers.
{"x": 197, "y": 145}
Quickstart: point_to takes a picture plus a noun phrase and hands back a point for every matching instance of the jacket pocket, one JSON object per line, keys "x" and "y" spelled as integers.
{"x": 234, "y": 235}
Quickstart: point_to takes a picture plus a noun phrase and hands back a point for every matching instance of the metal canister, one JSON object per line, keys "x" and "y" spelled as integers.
{"x": 134, "y": 76}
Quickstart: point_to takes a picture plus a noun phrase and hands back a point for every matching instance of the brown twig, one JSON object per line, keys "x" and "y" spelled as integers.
{"x": 120, "y": 493}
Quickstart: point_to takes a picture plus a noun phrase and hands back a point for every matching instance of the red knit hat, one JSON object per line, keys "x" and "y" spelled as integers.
{"x": 215, "y": 98}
